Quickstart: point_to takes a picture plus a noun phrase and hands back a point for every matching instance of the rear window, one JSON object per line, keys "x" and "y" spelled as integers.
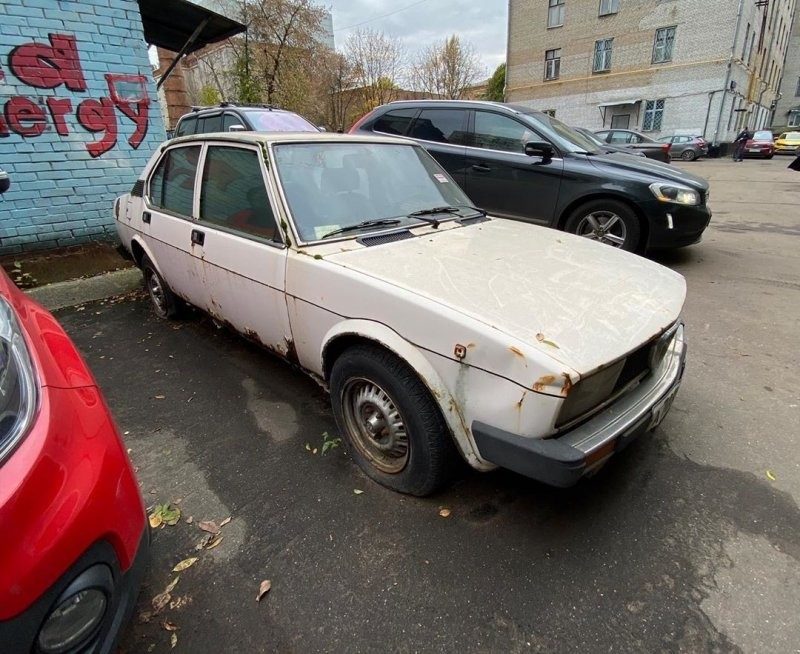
{"x": 394, "y": 122}
{"x": 279, "y": 121}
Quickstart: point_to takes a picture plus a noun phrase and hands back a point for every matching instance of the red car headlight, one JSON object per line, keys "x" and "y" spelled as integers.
{"x": 18, "y": 389}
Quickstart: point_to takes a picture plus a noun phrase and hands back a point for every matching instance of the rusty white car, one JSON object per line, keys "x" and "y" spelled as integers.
{"x": 441, "y": 333}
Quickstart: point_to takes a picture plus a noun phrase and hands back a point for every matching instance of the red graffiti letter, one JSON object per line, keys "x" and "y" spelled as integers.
{"x": 129, "y": 94}
{"x": 99, "y": 116}
{"x": 47, "y": 67}
{"x": 19, "y": 109}
{"x": 59, "y": 109}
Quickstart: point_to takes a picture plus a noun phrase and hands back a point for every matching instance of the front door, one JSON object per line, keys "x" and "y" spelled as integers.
{"x": 238, "y": 245}
{"x": 505, "y": 181}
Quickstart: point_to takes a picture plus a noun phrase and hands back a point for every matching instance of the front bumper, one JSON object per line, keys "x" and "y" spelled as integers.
{"x": 787, "y": 149}
{"x": 563, "y": 460}
{"x": 22, "y": 630}
{"x": 674, "y": 225}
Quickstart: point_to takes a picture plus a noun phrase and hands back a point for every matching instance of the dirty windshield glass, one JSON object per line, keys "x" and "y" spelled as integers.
{"x": 331, "y": 186}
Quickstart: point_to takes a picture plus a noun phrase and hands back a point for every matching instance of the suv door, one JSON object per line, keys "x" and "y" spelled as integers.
{"x": 238, "y": 247}
{"x": 501, "y": 178}
{"x": 443, "y": 133}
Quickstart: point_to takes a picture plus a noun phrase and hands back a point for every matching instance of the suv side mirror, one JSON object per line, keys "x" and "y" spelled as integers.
{"x": 539, "y": 149}
{"x": 237, "y": 128}
{"x": 4, "y": 181}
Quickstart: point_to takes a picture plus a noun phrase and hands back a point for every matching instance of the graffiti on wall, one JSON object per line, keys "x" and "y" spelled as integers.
{"x": 58, "y": 65}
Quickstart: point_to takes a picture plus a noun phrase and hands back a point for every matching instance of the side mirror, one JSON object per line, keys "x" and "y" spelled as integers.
{"x": 237, "y": 128}
{"x": 4, "y": 181}
{"x": 539, "y": 149}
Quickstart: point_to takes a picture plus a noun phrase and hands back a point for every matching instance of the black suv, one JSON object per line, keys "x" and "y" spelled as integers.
{"x": 228, "y": 117}
{"x": 523, "y": 164}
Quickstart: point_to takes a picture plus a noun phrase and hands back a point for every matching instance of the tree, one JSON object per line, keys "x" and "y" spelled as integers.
{"x": 447, "y": 69}
{"x": 209, "y": 96}
{"x": 336, "y": 84}
{"x": 376, "y": 61}
{"x": 495, "y": 89}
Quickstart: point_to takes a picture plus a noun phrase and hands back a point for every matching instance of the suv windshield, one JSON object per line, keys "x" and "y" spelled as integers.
{"x": 331, "y": 187}
{"x": 278, "y": 121}
{"x": 564, "y": 136}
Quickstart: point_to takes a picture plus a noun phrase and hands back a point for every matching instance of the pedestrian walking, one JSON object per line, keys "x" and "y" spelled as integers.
{"x": 740, "y": 141}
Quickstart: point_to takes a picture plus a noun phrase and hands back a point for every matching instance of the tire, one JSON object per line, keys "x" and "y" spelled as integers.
{"x": 769, "y": 156}
{"x": 164, "y": 302}
{"x": 688, "y": 155}
{"x": 416, "y": 454}
{"x": 590, "y": 220}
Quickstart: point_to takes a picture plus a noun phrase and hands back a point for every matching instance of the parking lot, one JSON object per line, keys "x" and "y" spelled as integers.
{"x": 689, "y": 541}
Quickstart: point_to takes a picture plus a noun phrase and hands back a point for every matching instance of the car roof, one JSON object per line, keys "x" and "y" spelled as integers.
{"x": 288, "y": 137}
{"x": 475, "y": 104}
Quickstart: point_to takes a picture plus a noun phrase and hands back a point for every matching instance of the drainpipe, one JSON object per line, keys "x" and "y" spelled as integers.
{"x": 728, "y": 74}
{"x": 708, "y": 111}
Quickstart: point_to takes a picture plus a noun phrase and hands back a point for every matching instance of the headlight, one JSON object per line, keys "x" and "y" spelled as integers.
{"x": 18, "y": 394}
{"x": 675, "y": 194}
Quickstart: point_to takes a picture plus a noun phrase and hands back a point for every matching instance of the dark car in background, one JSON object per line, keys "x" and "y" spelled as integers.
{"x": 761, "y": 146}
{"x": 606, "y": 147}
{"x": 228, "y": 117}
{"x": 519, "y": 163}
{"x": 686, "y": 148}
{"x": 630, "y": 139}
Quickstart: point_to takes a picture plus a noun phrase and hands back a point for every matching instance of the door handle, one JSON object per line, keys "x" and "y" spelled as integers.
{"x": 481, "y": 168}
{"x": 146, "y": 217}
{"x": 198, "y": 237}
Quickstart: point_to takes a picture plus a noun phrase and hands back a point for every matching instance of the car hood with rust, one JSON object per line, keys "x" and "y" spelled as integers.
{"x": 579, "y": 302}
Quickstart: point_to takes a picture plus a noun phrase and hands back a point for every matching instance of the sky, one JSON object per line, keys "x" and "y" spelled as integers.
{"x": 419, "y": 23}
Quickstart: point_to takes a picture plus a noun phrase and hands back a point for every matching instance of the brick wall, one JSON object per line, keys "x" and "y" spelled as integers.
{"x": 79, "y": 117}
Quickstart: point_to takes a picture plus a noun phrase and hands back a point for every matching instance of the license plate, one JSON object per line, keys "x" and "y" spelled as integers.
{"x": 753, "y": 150}
{"x": 662, "y": 408}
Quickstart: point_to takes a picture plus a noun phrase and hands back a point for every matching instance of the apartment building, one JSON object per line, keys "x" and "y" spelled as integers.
{"x": 658, "y": 66}
{"x": 787, "y": 108}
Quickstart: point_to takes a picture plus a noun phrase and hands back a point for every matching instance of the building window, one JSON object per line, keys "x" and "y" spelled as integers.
{"x": 555, "y": 13}
{"x": 602, "y": 55}
{"x": 797, "y": 90}
{"x": 549, "y": 112}
{"x": 662, "y": 46}
{"x": 653, "y": 115}
{"x": 794, "y": 118}
{"x": 744, "y": 45}
{"x": 608, "y": 7}
{"x": 552, "y": 64}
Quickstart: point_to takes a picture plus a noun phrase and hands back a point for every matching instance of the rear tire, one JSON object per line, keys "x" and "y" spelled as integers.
{"x": 688, "y": 155}
{"x": 607, "y": 221}
{"x": 164, "y": 302}
{"x": 394, "y": 430}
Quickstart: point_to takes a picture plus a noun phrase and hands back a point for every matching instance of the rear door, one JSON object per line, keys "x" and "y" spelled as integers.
{"x": 501, "y": 178}
{"x": 443, "y": 133}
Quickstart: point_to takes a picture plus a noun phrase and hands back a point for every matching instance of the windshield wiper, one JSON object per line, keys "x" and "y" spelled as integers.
{"x": 443, "y": 209}
{"x": 366, "y": 224}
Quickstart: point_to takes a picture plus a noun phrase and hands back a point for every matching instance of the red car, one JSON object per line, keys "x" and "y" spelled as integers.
{"x": 761, "y": 145}
{"x": 75, "y": 537}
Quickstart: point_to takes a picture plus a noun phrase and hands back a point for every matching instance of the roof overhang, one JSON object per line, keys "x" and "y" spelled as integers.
{"x": 617, "y": 103}
{"x": 170, "y": 24}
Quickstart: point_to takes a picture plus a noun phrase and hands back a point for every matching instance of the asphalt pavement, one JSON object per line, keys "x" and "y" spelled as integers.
{"x": 688, "y": 542}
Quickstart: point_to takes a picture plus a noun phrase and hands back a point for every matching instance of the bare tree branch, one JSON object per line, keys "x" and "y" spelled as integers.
{"x": 447, "y": 69}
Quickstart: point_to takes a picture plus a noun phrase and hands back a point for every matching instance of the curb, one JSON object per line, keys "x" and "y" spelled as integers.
{"x": 61, "y": 295}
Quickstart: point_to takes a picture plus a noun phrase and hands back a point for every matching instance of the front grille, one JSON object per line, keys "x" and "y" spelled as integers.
{"x": 384, "y": 238}
{"x": 637, "y": 364}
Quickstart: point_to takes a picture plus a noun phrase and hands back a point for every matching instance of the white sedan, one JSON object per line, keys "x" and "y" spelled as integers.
{"x": 439, "y": 331}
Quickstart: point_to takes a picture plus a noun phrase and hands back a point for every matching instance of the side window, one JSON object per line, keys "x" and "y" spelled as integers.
{"x": 228, "y": 120}
{"x": 233, "y": 193}
{"x": 496, "y": 132}
{"x": 209, "y": 124}
{"x": 395, "y": 122}
{"x": 440, "y": 125}
{"x": 172, "y": 182}
{"x": 186, "y": 126}
{"x": 622, "y": 137}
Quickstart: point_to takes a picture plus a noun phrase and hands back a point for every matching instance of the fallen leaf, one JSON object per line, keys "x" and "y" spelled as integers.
{"x": 224, "y": 522}
{"x": 180, "y": 602}
{"x": 160, "y": 601}
{"x": 263, "y": 589}
{"x": 357, "y": 491}
{"x": 771, "y": 476}
{"x": 171, "y": 586}
{"x": 204, "y": 541}
{"x": 540, "y": 337}
{"x": 169, "y": 626}
{"x": 173, "y": 640}
{"x": 314, "y": 451}
{"x": 208, "y": 525}
{"x": 445, "y": 513}
{"x": 186, "y": 563}
{"x": 159, "y": 397}
{"x": 155, "y": 520}
{"x": 308, "y": 447}
{"x": 144, "y": 617}
{"x": 216, "y": 539}
{"x": 189, "y": 520}
{"x": 178, "y": 501}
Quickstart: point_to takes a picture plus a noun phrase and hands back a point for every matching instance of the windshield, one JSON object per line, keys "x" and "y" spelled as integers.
{"x": 279, "y": 121}
{"x": 564, "y": 136}
{"x": 331, "y": 186}
{"x": 791, "y": 136}
{"x": 762, "y": 135}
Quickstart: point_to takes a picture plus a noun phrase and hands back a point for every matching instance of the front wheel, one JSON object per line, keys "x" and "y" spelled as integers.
{"x": 688, "y": 155}
{"x": 607, "y": 221}
{"x": 164, "y": 301}
{"x": 393, "y": 427}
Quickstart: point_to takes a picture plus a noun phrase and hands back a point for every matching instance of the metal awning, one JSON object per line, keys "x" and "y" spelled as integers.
{"x": 617, "y": 103}
{"x": 183, "y": 27}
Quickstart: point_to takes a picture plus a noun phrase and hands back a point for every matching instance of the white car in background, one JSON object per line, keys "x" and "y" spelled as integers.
{"x": 439, "y": 331}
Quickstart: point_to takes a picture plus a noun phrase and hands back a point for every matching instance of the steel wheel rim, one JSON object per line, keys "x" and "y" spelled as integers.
{"x": 156, "y": 290}
{"x": 603, "y": 226}
{"x": 688, "y": 155}
{"x": 375, "y": 424}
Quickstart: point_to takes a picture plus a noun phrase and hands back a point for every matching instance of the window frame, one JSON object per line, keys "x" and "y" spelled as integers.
{"x": 560, "y": 12}
{"x": 553, "y": 63}
{"x": 667, "y": 47}
{"x": 652, "y": 113}
{"x": 606, "y": 52}
{"x": 612, "y": 8}
{"x": 148, "y": 195}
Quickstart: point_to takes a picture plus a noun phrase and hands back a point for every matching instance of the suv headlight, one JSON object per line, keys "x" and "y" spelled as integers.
{"x": 675, "y": 194}
{"x": 18, "y": 390}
